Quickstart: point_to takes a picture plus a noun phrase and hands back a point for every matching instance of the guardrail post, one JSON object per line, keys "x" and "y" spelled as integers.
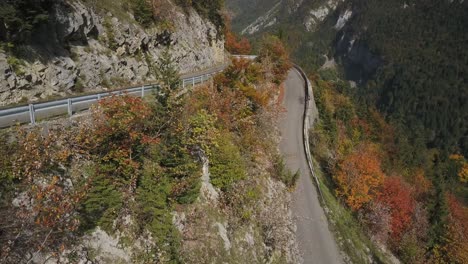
{"x": 142, "y": 91}
{"x": 69, "y": 106}
{"x": 99, "y": 96}
{"x": 193, "y": 81}
{"x": 183, "y": 84}
{"x": 32, "y": 116}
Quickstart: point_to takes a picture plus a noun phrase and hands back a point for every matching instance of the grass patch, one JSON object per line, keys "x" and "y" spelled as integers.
{"x": 16, "y": 64}
{"x": 119, "y": 81}
{"x": 105, "y": 83}
{"x": 284, "y": 174}
{"x": 79, "y": 86}
{"x": 348, "y": 232}
{"x": 111, "y": 43}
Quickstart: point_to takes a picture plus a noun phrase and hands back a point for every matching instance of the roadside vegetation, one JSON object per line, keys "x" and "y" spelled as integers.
{"x": 132, "y": 163}
{"x": 235, "y": 44}
{"x": 413, "y": 203}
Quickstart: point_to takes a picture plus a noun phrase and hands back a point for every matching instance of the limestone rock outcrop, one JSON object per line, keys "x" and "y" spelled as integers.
{"x": 83, "y": 50}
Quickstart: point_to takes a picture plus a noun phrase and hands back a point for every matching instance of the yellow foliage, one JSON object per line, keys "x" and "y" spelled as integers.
{"x": 463, "y": 171}
{"x": 463, "y": 174}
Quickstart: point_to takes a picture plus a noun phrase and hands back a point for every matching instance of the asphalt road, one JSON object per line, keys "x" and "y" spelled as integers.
{"x": 316, "y": 243}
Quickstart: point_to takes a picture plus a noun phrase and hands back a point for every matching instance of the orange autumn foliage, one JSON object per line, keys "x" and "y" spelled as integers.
{"x": 463, "y": 174}
{"x": 397, "y": 196}
{"x": 235, "y": 44}
{"x": 245, "y": 75}
{"x": 359, "y": 175}
{"x": 421, "y": 184}
{"x": 122, "y": 128}
{"x": 55, "y": 207}
{"x": 275, "y": 56}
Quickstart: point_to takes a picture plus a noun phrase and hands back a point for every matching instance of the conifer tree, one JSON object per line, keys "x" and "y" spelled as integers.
{"x": 168, "y": 76}
{"x": 153, "y": 193}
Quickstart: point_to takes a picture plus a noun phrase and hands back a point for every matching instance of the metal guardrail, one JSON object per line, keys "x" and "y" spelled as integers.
{"x": 39, "y": 111}
{"x": 306, "y": 125}
{"x": 247, "y": 57}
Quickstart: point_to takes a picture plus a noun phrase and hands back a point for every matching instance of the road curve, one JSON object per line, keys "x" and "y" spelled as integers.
{"x": 316, "y": 242}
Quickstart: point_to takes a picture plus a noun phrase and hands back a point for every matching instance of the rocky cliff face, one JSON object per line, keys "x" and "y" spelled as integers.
{"x": 81, "y": 49}
{"x": 261, "y": 17}
{"x": 357, "y": 60}
{"x": 324, "y": 33}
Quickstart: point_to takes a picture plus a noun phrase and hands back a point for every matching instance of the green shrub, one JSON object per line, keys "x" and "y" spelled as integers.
{"x": 167, "y": 72}
{"x": 102, "y": 203}
{"x": 143, "y": 12}
{"x": 328, "y": 74}
{"x": 105, "y": 83}
{"x": 110, "y": 33}
{"x": 153, "y": 193}
{"x": 7, "y": 149}
{"x": 227, "y": 166}
{"x": 284, "y": 174}
{"x": 79, "y": 86}
{"x": 181, "y": 169}
{"x": 16, "y": 64}
{"x": 21, "y": 17}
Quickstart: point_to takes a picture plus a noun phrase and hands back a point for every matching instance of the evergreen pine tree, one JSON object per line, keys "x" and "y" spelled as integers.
{"x": 182, "y": 169}
{"x": 167, "y": 71}
{"x": 153, "y": 193}
{"x": 438, "y": 213}
{"x": 102, "y": 204}
{"x": 143, "y": 12}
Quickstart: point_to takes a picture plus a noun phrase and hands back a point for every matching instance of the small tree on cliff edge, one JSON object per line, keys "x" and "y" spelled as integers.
{"x": 277, "y": 55}
{"x": 168, "y": 76}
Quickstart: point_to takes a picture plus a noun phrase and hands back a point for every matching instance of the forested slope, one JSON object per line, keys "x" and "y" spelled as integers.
{"x": 390, "y": 82}
{"x": 423, "y": 81}
{"x": 245, "y": 11}
{"x": 411, "y": 52}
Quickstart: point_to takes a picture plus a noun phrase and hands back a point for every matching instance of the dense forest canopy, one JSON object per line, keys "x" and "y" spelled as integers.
{"x": 423, "y": 82}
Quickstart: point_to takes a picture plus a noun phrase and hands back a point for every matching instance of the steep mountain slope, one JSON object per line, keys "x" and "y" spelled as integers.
{"x": 245, "y": 12}
{"x": 179, "y": 176}
{"x": 393, "y": 95}
{"x": 400, "y": 46}
{"x": 423, "y": 78}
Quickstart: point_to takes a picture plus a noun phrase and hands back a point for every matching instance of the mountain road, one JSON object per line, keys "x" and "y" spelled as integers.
{"x": 316, "y": 242}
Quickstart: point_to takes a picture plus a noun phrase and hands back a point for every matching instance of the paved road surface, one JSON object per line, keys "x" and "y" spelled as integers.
{"x": 316, "y": 242}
